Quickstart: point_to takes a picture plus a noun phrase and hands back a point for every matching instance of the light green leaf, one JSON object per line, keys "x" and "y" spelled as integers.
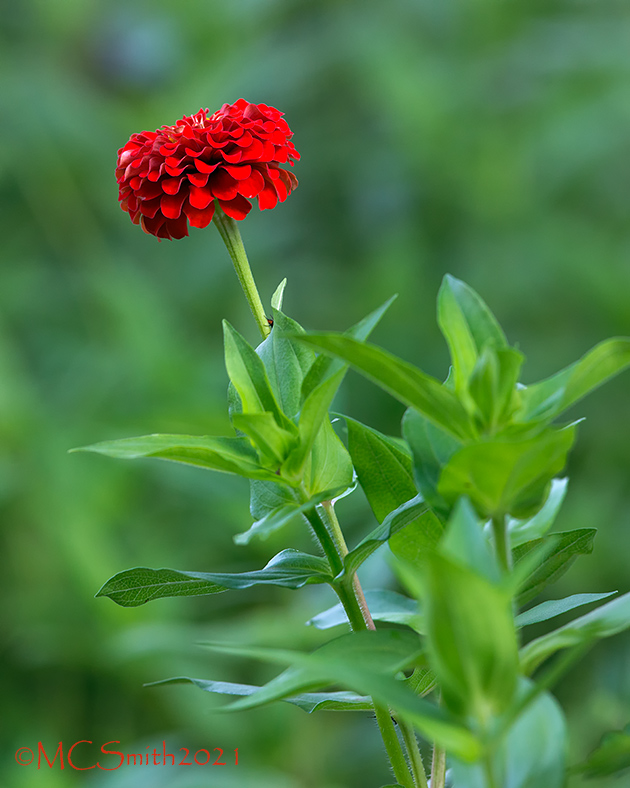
{"x": 532, "y": 754}
{"x": 384, "y": 605}
{"x": 249, "y": 377}
{"x": 565, "y": 548}
{"x": 282, "y": 515}
{"x": 422, "y": 531}
{"x": 366, "y": 663}
{"x": 464, "y": 542}
{"x": 307, "y": 701}
{"x": 493, "y": 386}
{"x": 502, "y": 477}
{"x": 548, "y": 398}
{"x": 229, "y": 455}
{"x": 612, "y": 756}
{"x": 603, "y": 622}
{"x": 475, "y": 316}
{"x": 431, "y": 448}
{"x": 456, "y": 331}
{"x": 276, "y": 298}
{"x": 272, "y": 442}
{"x": 382, "y": 466}
{"x": 407, "y": 383}
{"x": 521, "y": 531}
{"x": 329, "y": 464}
{"x": 556, "y": 607}
{"x": 325, "y": 366}
{"x": 289, "y": 569}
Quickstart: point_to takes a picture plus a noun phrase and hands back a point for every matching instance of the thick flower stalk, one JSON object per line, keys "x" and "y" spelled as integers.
{"x": 169, "y": 179}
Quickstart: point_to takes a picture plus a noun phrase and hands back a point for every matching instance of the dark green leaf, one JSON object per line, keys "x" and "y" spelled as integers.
{"x": 382, "y": 466}
{"x": 307, "y": 701}
{"x": 604, "y": 621}
{"x": 548, "y": 398}
{"x": 407, "y": 383}
{"x": 556, "y": 607}
{"x": 421, "y": 527}
{"x": 612, "y": 755}
{"x": 566, "y": 546}
{"x": 229, "y": 455}
{"x": 384, "y": 605}
{"x": 290, "y": 569}
{"x": 502, "y": 477}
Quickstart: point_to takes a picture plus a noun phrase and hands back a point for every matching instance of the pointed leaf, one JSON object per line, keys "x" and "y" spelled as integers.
{"x": 566, "y": 547}
{"x": 329, "y": 465}
{"x": 272, "y": 442}
{"x": 521, "y": 531}
{"x": 475, "y": 316}
{"x": 229, "y": 455}
{"x": 548, "y": 398}
{"x": 556, "y": 607}
{"x": 289, "y": 569}
{"x": 276, "y": 298}
{"x": 603, "y": 622}
{"x": 307, "y": 701}
{"x": 402, "y": 380}
{"x": 465, "y": 543}
{"x": 612, "y": 756}
{"x": 384, "y": 605}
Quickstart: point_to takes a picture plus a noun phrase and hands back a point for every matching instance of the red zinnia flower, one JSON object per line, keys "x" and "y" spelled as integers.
{"x": 171, "y": 177}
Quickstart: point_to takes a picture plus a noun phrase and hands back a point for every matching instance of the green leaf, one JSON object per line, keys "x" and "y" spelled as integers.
{"x": 431, "y": 448}
{"x": 272, "y": 442}
{"x": 548, "y": 398}
{"x": 502, "y": 477}
{"x": 384, "y": 605}
{"x": 493, "y": 386}
{"x": 603, "y": 622}
{"x": 556, "y": 607}
{"x": 325, "y": 366}
{"x": 276, "y": 298}
{"x": 289, "y": 569}
{"x": 422, "y": 531}
{"x": 382, "y": 467}
{"x": 329, "y": 464}
{"x": 471, "y": 640}
{"x": 249, "y": 377}
{"x": 521, "y": 531}
{"x": 229, "y": 455}
{"x": 464, "y": 542}
{"x": 565, "y": 548}
{"x": 307, "y": 701}
{"x": 286, "y": 361}
{"x": 532, "y": 754}
{"x": 612, "y": 755}
{"x": 279, "y": 517}
{"x": 366, "y": 663}
{"x": 407, "y": 383}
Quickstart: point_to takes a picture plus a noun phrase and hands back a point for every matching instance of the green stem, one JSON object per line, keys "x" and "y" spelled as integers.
{"x": 438, "y": 767}
{"x": 501, "y": 542}
{"x": 351, "y": 596}
{"x": 489, "y": 772}
{"x": 415, "y": 759}
{"x": 231, "y": 235}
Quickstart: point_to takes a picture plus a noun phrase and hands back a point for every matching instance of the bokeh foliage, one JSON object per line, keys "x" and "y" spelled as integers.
{"x": 486, "y": 139}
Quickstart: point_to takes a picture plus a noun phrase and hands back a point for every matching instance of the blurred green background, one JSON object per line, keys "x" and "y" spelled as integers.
{"x": 487, "y": 139}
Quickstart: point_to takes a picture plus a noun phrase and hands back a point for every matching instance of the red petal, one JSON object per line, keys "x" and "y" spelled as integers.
{"x": 150, "y": 207}
{"x": 171, "y": 205}
{"x": 198, "y": 179}
{"x": 203, "y": 167}
{"x": 238, "y": 208}
{"x": 252, "y": 185}
{"x": 177, "y": 228}
{"x": 200, "y": 197}
{"x": 240, "y": 173}
{"x": 152, "y": 226}
{"x": 267, "y": 198}
{"x": 199, "y": 218}
{"x": 149, "y": 190}
{"x": 171, "y": 185}
{"x": 233, "y": 158}
{"x": 223, "y": 186}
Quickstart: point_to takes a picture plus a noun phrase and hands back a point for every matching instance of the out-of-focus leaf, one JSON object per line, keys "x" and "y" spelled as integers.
{"x": 604, "y": 621}
{"x": 465, "y": 543}
{"x": 382, "y": 466}
{"x": 326, "y": 366}
{"x": 531, "y": 755}
{"x": 284, "y": 514}
{"x": 548, "y": 398}
{"x": 502, "y": 477}
{"x": 565, "y": 548}
{"x": 366, "y": 663}
{"x": 556, "y": 607}
{"x": 612, "y": 756}
{"x": 272, "y": 442}
{"x": 384, "y": 605}
{"x": 307, "y": 701}
{"x": 229, "y": 455}
{"x": 493, "y": 386}
{"x": 402, "y": 380}
{"x": 431, "y": 448}
{"x": 521, "y": 531}
{"x": 422, "y": 530}
{"x": 289, "y": 569}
